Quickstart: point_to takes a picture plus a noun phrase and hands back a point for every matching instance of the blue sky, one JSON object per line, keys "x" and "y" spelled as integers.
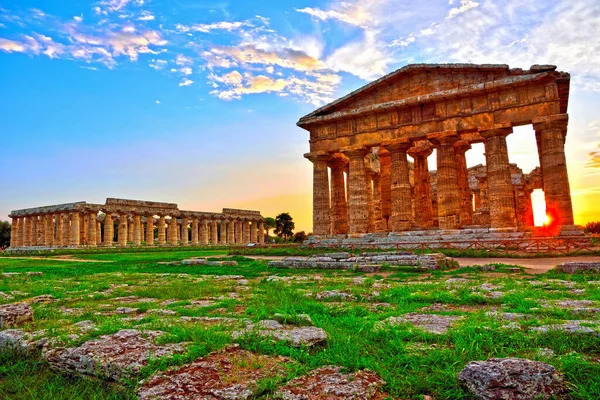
{"x": 195, "y": 102}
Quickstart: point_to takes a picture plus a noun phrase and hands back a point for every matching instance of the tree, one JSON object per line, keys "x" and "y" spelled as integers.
{"x": 269, "y": 224}
{"x": 592, "y": 227}
{"x": 284, "y": 226}
{"x": 4, "y": 234}
{"x": 300, "y": 237}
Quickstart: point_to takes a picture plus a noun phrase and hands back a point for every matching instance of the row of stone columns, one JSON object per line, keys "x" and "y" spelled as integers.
{"x": 84, "y": 229}
{"x": 384, "y": 202}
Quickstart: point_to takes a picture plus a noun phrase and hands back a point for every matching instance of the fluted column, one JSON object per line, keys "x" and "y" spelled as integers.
{"x": 551, "y": 133}
{"x": 385, "y": 166}
{"x": 238, "y": 232}
{"x": 223, "y": 231}
{"x": 339, "y": 208}
{"x": 380, "y": 224}
{"x": 150, "y": 230}
{"x": 162, "y": 230}
{"x": 137, "y": 234}
{"x": 500, "y": 189}
{"x": 321, "y": 223}
{"x": 358, "y": 211}
{"x": 34, "y": 231}
{"x": 253, "y": 232}
{"x": 129, "y": 230}
{"x": 185, "y": 238}
{"x": 214, "y": 232}
{"x": 448, "y": 194}
{"x": 401, "y": 209}
{"x": 27, "y": 231}
{"x": 98, "y": 232}
{"x": 204, "y": 231}
{"x": 173, "y": 228}
{"x": 231, "y": 232}
{"x": 82, "y": 229}
{"x": 123, "y": 233}
{"x": 66, "y": 229}
{"x": 75, "y": 235}
{"x": 109, "y": 230}
{"x": 194, "y": 231}
{"x": 261, "y": 232}
{"x": 14, "y": 232}
{"x": 50, "y": 230}
{"x": 246, "y": 231}
{"x": 466, "y": 199}
{"x": 59, "y": 231}
{"x": 370, "y": 202}
{"x": 91, "y": 228}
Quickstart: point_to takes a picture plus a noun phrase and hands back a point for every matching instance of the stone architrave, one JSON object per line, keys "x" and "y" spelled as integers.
{"x": 137, "y": 223}
{"x": 321, "y": 223}
{"x": 551, "y": 133}
{"x": 194, "y": 231}
{"x": 401, "y": 208}
{"x": 358, "y": 211}
{"x": 109, "y": 230}
{"x": 500, "y": 189}
{"x": 447, "y": 183}
{"x": 422, "y": 186}
{"x": 150, "y": 230}
{"x": 339, "y": 208}
{"x": 466, "y": 198}
{"x": 74, "y": 239}
{"x": 162, "y": 230}
{"x": 123, "y": 234}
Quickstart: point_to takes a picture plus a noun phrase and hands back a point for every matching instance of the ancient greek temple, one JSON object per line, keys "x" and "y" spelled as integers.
{"x": 125, "y": 222}
{"x": 364, "y": 182}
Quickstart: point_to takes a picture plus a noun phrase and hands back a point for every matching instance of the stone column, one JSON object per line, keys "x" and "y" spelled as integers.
{"x": 178, "y": 230}
{"x": 129, "y": 230}
{"x": 173, "y": 228}
{"x": 380, "y": 224}
{"x": 150, "y": 230}
{"x": 123, "y": 234}
{"x": 59, "y": 231}
{"x": 66, "y": 229}
{"x": 98, "y": 232}
{"x": 261, "y": 232}
{"x": 162, "y": 230}
{"x": 75, "y": 236}
{"x": 401, "y": 209}
{"x": 358, "y": 218}
{"x": 448, "y": 194}
{"x": 321, "y": 222}
{"x": 214, "y": 233}
{"x": 370, "y": 202}
{"x": 231, "y": 232}
{"x": 238, "y": 232}
{"x": 20, "y": 231}
{"x": 184, "y": 231}
{"x": 223, "y": 231}
{"x": 466, "y": 199}
{"x": 253, "y": 232}
{"x": 91, "y": 224}
{"x": 109, "y": 227}
{"x": 385, "y": 165}
{"x": 34, "y": 231}
{"x": 339, "y": 208}
{"x": 27, "y": 231}
{"x": 14, "y": 231}
{"x": 500, "y": 189}
{"x": 137, "y": 234}
{"x": 246, "y": 232}
{"x": 552, "y": 132}
{"x": 204, "y": 231}
{"x": 477, "y": 198}
{"x": 194, "y": 231}
{"x": 50, "y": 230}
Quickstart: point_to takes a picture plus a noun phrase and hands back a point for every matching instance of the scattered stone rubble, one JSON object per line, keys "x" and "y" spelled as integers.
{"x": 15, "y": 314}
{"x": 229, "y": 374}
{"x": 575, "y": 267}
{"x": 295, "y": 335}
{"x": 511, "y": 378}
{"x": 113, "y": 357}
{"x": 433, "y": 323}
{"x": 572, "y": 326}
{"x": 329, "y": 383}
{"x": 367, "y": 261}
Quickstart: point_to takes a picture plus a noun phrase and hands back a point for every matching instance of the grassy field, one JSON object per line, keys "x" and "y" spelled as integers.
{"x": 412, "y": 362}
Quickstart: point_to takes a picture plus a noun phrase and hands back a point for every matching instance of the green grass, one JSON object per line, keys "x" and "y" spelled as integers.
{"x": 413, "y": 362}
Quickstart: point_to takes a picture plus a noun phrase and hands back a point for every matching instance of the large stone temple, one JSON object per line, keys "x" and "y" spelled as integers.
{"x": 126, "y": 222}
{"x": 363, "y": 181}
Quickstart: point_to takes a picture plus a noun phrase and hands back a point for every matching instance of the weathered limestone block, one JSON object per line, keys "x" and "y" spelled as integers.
{"x": 15, "y": 314}
{"x": 433, "y": 323}
{"x": 575, "y": 267}
{"x": 113, "y": 357}
{"x": 295, "y": 335}
{"x": 511, "y": 378}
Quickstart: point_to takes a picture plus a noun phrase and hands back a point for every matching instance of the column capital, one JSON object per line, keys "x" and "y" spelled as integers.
{"x": 445, "y": 140}
{"x": 558, "y": 121}
{"x": 354, "y": 151}
{"x": 338, "y": 160}
{"x": 496, "y": 132}
{"x": 421, "y": 148}
{"x": 403, "y": 145}
{"x": 317, "y": 156}
{"x": 462, "y": 146}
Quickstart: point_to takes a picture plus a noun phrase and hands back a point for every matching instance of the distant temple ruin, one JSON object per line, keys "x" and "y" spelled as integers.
{"x": 361, "y": 142}
{"x": 132, "y": 223}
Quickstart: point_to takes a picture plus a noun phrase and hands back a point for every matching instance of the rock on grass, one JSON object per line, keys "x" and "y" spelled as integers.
{"x": 15, "y": 314}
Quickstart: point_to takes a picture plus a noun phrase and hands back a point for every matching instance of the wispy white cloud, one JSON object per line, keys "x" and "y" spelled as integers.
{"x": 186, "y": 82}
{"x": 465, "y": 5}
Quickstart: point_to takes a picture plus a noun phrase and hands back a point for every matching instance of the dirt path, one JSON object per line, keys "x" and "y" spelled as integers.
{"x": 532, "y": 265}
{"x": 58, "y": 258}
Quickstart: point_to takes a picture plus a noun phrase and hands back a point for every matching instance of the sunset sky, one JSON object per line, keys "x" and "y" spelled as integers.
{"x": 195, "y": 101}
